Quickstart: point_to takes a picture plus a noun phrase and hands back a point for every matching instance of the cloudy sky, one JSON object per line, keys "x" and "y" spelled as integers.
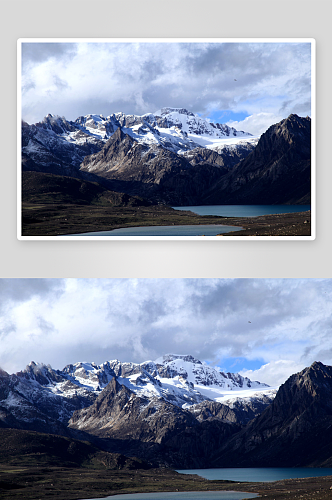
{"x": 246, "y": 85}
{"x": 265, "y": 329}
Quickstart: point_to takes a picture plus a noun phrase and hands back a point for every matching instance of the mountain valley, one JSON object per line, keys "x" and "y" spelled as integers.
{"x": 123, "y": 427}
{"x": 175, "y": 157}
{"x": 176, "y": 412}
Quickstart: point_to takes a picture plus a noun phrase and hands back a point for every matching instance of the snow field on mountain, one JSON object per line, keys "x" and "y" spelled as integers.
{"x": 175, "y": 129}
{"x": 228, "y": 397}
{"x": 191, "y": 383}
{"x": 172, "y": 390}
{"x": 181, "y": 380}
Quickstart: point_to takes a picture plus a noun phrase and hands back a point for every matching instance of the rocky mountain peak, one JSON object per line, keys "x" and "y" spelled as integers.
{"x": 293, "y": 129}
{"x": 299, "y": 420}
{"x": 3, "y": 373}
{"x": 43, "y": 374}
{"x": 57, "y": 124}
{"x": 314, "y": 381}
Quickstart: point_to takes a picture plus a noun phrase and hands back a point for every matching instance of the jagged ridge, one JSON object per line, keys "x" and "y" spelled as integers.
{"x": 294, "y": 431}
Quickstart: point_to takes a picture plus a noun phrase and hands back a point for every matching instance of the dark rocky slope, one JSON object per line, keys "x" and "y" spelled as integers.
{"x": 154, "y": 430}
{"x": 152, "y": 172}
{"x": 278, "y": 171}
{"x": 295, "y": 430}
{"x": 227, "y": 156}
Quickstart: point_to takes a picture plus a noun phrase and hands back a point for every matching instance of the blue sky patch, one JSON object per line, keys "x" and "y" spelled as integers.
{"x": 235, "y": 365}
{"x": 223, "y": 116}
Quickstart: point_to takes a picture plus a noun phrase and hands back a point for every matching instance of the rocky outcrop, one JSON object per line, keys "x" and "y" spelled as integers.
{"x": 222, "y": 156}
{"x": 238, "y": 411}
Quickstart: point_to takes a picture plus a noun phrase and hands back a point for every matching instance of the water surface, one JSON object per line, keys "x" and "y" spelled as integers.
{"x": 186, "y": 495}
{"x": 265, "y": 474}
{"x": 196, "y": 230}
{"x": 244, "y": 210}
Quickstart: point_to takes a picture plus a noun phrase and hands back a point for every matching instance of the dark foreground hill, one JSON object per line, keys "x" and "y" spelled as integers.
{"x": 39, "y": 187}
{"x": 29, "y": 448}
{"x": 59, "y": 205}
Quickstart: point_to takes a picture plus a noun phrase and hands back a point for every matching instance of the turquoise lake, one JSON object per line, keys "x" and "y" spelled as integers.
{"x": 259, "y": 474}
{"x": 186, "y": 495}
{"x": 203, "y": 230}
{"x": 267, "y": 474}
{"x": 244, "y": 210}
{"x": 197, "y": 230}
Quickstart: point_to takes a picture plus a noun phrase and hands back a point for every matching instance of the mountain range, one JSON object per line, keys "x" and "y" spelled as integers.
{"x": 174, "y": 157}
{"x": 176, "y": 411}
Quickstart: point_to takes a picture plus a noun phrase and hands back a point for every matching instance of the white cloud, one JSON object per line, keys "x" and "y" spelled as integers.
{"x": 71, "y": 80}
{"x": 285, "y": 323}
{"x": 274, "y": 373}
{"x": 256, "y": 124}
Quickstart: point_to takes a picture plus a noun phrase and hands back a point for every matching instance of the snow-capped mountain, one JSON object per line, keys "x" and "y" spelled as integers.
{"x": 171, "y": 157}
{"x": 176, "y": 158}
{"x": 211, "y": 383}
{"x": 174, "y": 129}
{"x": 202, "y": 131}
{"x": 180, "y": 380}
{"x": 129, "y": 404}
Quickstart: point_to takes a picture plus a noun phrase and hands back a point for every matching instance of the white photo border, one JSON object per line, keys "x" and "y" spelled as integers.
{"x": 312, "y": 41}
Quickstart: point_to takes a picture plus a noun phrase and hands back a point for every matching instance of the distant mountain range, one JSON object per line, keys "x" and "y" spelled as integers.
{"x": 176, "y": 411}
{"x": 182, "y": 381}
{"x": 116, "y": 400}
{"x": 175, "y": 157}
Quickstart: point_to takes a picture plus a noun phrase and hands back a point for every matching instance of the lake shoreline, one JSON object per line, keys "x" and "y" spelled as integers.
{"x": 68, "y": 219}
{"x": 65, "y": 483}
{"x": 290, "y": 224}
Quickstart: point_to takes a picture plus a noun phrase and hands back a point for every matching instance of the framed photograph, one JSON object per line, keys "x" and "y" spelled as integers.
{"x": 203, "y": 139}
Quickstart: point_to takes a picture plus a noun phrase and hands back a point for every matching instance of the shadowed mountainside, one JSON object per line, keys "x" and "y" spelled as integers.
{"x": 294, "y": 431}
{"x": 278, "y": 171}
